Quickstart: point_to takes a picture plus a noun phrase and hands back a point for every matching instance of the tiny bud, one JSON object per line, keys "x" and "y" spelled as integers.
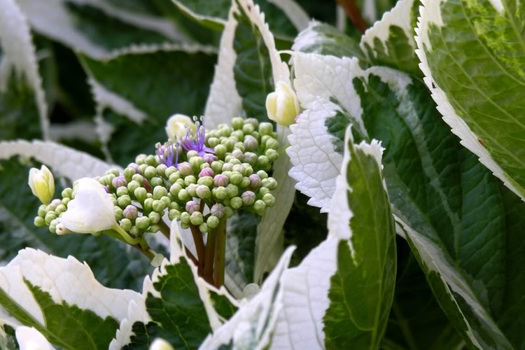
{"x": 239, "y": 168}
{"x": 154, "y": 228}
{"x": 228, "y": 143}
{"x": 149, "y": 172}
{"x": 192, "y": 207}
{"x": 185, "y": 217}
{"x": 236, "y": 178}
{"x": 238, "y": 134}
{"x": 183, "y": 195}
{"x": 126, "y": 224}
{"x": 122, "y": 191}
{"x": 175, "y": 189}
{"x": 250, "y": 143}
{"x": 225, "y": 130}
{"x": 213, "y": 141}
{"x": 203, "y": 192}
{"x": 227, "y": 167}
{"x": 245, "y": 182}
{"x": 185, "y": 169}
{"x": 60, "y": 209}
{"x": 118, "y": 213}
{"x": 262, "y": 174}
{"x": 141, "y": 194}
{"x": 196, "y": 218}
{"x": 203, "y": 227}
{"x": 216, "y": 166}
{"x": 264, "y": 162}
{"x": 220, "y": 150}
{"x": 159, "y": 192}
{"x": 142, "y": 169}
{"x": 236, "y": 202}
{"x": 212, "y": 222}
{"x": 142, "y": 223}
{"x": 156, "y": 181}
{"x": 169, "y": 170}
{"x": 270, "y": 183}
{"x": 129, "y": 172}
{"x": 188, "y": 180}
{"x": 248, "y": 198}
{"x": 134, "y": 230}
{"x": 124, "y": 201}
{"x": 61, "y": 229}
{"x": 232, "y": 190}
{"x": 50, "y": 216}
{"x": 282, "y": 105}
{"x": 196, "y": 162}
{"x": 138, "y": 178}
{"x": 228, "y": 211}
{"x": 174, "y": 176}
{"x": 161, "y": 169}
{"x": 269, "y": 200}
{"x": 130, "y": 212}
{"x": 158, "y": 206}
{"x": 238, "y": 154}
{"x": 220, "y": 180}
{"x": 248, "y": 128}
{"x": 206, "y": 181}
{"x": 132, "y": 186}
{"x": 192, "y": 153}
{"x": 166, "y": 200}
{"x": 259, "y": 207}
{"x": 263, "y": 191}
{"x": 39, "y": 221}
{"x": 272, "y": 155}
{"x": 209, "y": 158}
{"x": 140, "y": 159}
{"x": 151, "y": 160}
{"x": 237, "y": 123}
{"x": 255, "y": 181}
{"x": 119, "y": 181}
{"x": 217, "y": 210}
{"x": 65, "y": 201}
{"x": 154, "y": 218}
{"x": 220, "y": 193}
{"x": 173, "y": 214}
{"x": 66, "y": 193}
{"x": 265, "y": 128}
{"x": 206, "y": 172}
{"x": 42, "y": 183}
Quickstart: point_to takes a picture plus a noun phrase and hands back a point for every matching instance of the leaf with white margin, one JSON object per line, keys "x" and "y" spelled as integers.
{"x": 473, "y": 64}
{"x": 21, "y": 93}
{"x": 62, "y": 300}
{"x": 175, "y": 305}
{"x": 390, "y": 41}
{"x": 65, "y": 161}
{"x": 254, "y": 323}
{"x": 329, "y": 102}
{"x": 29, "y": 338}
{"x": 89, "y": 29}
{"x": 340, "y": 295}
{"x": 286, "y": 16}
{"x": 324, "y": 39}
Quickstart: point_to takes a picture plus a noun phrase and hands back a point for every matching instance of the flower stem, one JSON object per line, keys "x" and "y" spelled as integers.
{"x": 129, "y": 240}
{"x": 209, "y": 256}
{"x": 352, "y": 11}
{"x": 199, "y": 245}
{"x": 220, "y": 254}
{"x": 164, "y": 229}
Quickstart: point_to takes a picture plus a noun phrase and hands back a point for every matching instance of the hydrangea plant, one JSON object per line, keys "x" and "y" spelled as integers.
{"x": 248, "y": 174}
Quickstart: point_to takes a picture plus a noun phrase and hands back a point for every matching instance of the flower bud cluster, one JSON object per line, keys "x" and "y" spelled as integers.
{"x": 227, "y": 172}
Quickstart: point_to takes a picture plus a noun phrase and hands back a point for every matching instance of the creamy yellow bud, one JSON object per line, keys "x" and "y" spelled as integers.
{"x": 282, "y": 105}
{"x": 177, "y": 126}
{"x": 42, "y": 183}
{"x": 160, "y": 344}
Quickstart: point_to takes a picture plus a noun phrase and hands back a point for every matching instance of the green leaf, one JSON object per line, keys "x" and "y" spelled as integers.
{"x": 112, "y": 262}
{"x": 135, "y": 86}
{"x": 473, "y": 64}
{"x": 22, "y": 98}
{"x": 36, "y": 289}
{"x": 324, "y": 39}
{"x": 97, "y": 28}
{"x": 7, "y": 337}
{"x": 285, "y": 17}
{"x": 390, "y": 41}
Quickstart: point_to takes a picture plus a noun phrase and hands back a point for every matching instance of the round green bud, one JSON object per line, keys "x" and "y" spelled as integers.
{"x": 236, "y": 202}
{"x": 259, "y": 206}
{"x": 185, "y": 225}
{"x": 142, "y": 223}
{"x": 159, "y": 192}
{"x": 248, "y": 128}
{"x": 158, "y": 206}
{"x": 133, "y": 185}
{"x": 229, "y": 143}
{"x": 272, "y": 155}
{"x": 39, "y": 221}
{"x": 185, "y": 217}
{"x": 216, "y": 166}
{"x": 235, "y": 161}
{"x": 50, "y": 216}
{"x": 134, "y": 230}
{"x": 248, "y": 169}
{"x": 161, "y": 169}
{"x": 238, "y": 154}
{"x": 252, "y": 121}
{"x": 264, "y": 163}
{"x": 272, "y": 144}
{"x": 60, "y": 209}
{"x": 174, "y": 205}
{"x": 203, "y": 192}
{"x": 42, "y": 210}
{"x": 175, "y": 189}
{"x": 263, "y": 191}
{"x": 248, "y": 198}
{"x": 66, "y": 193}
{"x": 128, "y": 173}
{"x": 183, "y": 195}
{"x": 262, "y": 174}
{"x": 124, "y": 201}
{"x": 240, "y": 146}
{"x": 225, "y": 131}
{"x": 156, "y": 181}
{"x": 148, "y": 204}
{"x": 205, "y": 181}
{"x": 227, "y": 167}
{"x": 65, "y": 201}
{"x": 113, "y": 171}
{"x": 196, "y": 163}
{"x": 213, "y": 141}
{"x": 173, "y": 214}
{"x": 122, "y": 191}
{"x": 220, "y": 150}
{"x": 269, "y": 200}
{"x": 203, "y": 227}
{"x": 245, "y": 182}
{"x": 174, "y": 176}
{"x": 212, "y": 222}
{"x": 138, "y": 178}
{"x": 239, "y": 168}
{"x": 196, "y": 218}
{"x": 228, "y": 211}
{"x": 236, "y": 178}
{"x": 238, "y": 134}
{"x": 142, "y": 169}
{"x": 232, "y": 190}
{"x": 220, "y": 193}
{"x": 192, "y": 190}
{"x": 151, "y": 160}
{"x": 170, "y": 170}
{"x": 140, "y": 194}
{"x": 53, "y": 226}
{"x": 237, "y": 123}
{"x": 150, "y": 171}
{"x": 154, "y": 217}
{"x": 217, "y": 210}
{"x": 265, "y": 128}
{"x": 125, "y": 224}
{"x": 181, "y": 183}
{"x": 205, "y": 165}
{"x": 270, "y": 183}
{"x": 154, "y": 228}
{"x": 185, "y": 169}
{"x": 140, "y": 159}
{"x": 191, "y": 153}
{"x": 188, "y": 180}
{"x": 118, "y": 213}
{"x": 166, "y": 200}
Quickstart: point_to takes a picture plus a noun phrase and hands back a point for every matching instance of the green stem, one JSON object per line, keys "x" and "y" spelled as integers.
{"x": 209, "y": 256}
{"x": 220, "y": 254}
{"x": 129, "y": 240}
{"x": 141, "y": 246}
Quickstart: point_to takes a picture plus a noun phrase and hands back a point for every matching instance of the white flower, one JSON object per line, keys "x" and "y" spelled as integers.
{"x": 42, "y": 183}
{"x": 282, "y": 105}
{"x": 160, "y": 344}
{"x": 177, "y": 126}
{"x": 29, "y": 338}
{"x": 92, "y": 209}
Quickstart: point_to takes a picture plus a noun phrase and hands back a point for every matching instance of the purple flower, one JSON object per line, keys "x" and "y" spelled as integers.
{"x": 166, "y": 153}
{"x": 196, "y": 142}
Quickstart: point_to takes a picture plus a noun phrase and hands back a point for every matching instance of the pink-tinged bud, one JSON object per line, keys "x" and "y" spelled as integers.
{"x": 250, "y": 143}
{"x": 248, "y": 198}
{"x": 185, "y": 169}
{"x": 220, "y": 180}
{"x": 106, "y": 188}
{"x": 134, "y": 166}
{"x": 217, "y": 210}
{"x": 192, "y": 207}
{"x": 119, "y": 181}
{"x": 130, "y": 212}
{"x": 209, "y": 158}
{"x": 255, "y": 181}
{"x": 206, "y": 172}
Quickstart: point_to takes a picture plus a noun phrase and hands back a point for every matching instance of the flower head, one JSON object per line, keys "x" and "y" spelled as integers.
{"x": 282, "y": 105}
{"x": 195, "y": 140}
{"x": 92, "y": 209}
{"x": 42, "y": 183}
{"x": 168, "y": 153}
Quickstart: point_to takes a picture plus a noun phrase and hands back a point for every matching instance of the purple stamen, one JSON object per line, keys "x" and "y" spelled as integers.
{"x": 197, "y": 142}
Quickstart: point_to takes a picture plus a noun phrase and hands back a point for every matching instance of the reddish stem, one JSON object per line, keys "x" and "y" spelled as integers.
{"x": 352, "y": 11}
